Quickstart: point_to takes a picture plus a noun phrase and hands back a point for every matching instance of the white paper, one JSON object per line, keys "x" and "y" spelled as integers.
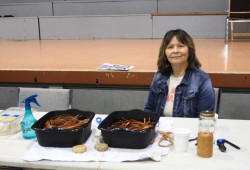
{"x": 153, "y": 151}
{"x": 118, "y": 67}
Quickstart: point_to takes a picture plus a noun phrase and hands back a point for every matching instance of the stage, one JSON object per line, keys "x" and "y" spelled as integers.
{"x": 75, "y": 62}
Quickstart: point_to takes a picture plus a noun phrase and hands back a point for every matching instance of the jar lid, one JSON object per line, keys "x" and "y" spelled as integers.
{"x": 207, "y": 113}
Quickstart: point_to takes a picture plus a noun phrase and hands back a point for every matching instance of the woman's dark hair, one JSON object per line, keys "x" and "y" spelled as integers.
{"x": 163, "y": 64}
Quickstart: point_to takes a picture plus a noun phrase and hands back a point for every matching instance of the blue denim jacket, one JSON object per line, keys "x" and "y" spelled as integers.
{"x": 194, "y": 94}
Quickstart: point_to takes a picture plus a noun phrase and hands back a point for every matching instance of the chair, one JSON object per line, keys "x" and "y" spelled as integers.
{"x": 49, "y": 99}
{"x": 217, "y": 100}
{"x": 238, "y": 12}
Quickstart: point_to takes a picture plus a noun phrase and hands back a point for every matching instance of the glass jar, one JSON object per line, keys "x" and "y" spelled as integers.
{"x": 205, "y": 134}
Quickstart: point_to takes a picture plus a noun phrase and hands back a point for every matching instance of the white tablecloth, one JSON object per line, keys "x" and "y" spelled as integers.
{"x": 153, "y": 151}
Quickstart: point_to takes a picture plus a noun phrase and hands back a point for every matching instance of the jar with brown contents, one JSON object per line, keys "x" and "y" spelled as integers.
{"x": 205, "y": 134}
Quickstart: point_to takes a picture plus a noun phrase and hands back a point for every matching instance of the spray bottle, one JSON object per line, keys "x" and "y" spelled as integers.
{"x": 29, "y": 119}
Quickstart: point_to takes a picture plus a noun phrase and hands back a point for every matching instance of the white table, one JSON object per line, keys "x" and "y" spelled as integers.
{"x": 13, "y": 148}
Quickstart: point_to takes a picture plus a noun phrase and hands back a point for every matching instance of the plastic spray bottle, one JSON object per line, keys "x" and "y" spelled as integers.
{"x": 29, "y": 119}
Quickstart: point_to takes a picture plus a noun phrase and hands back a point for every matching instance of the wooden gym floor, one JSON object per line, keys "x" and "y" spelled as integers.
{"x": 76, "y": 61}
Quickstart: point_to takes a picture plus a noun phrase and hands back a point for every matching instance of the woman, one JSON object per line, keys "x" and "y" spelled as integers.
{"x": 179, "y": 87}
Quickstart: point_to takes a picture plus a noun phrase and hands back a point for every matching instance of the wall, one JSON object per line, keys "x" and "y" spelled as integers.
{"x": 27, "y": 9}
{"x": 96, "y": 27}
{"x": 8, "y": 97}
{"x": 201, "y": 23}
{"x": 105, "y": 101}
{"x": 108, "y": 7}
{"x": 65, "y": 19}
{"x": 19, "y": 28}
{"x": 234, "y": 104}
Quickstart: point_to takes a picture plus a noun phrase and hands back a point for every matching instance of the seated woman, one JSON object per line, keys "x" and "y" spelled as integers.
{"x": 179, "y": 87}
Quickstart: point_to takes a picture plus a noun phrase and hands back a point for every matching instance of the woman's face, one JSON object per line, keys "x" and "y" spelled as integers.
{"x": 177, "y": 53}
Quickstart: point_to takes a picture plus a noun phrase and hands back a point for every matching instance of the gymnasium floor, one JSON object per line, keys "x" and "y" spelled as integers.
{"x": 228, "y": 60}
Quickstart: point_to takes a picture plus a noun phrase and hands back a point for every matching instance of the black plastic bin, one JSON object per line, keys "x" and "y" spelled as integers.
{"x": 63, "y": 138}
{"x": 128, "y": 139}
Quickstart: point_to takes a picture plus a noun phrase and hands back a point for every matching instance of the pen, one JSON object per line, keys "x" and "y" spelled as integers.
{"x": 190, "y": 140}
{"x": 233, "y": 145}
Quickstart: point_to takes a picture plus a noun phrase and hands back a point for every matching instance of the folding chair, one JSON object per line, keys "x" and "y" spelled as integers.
{"x": 49, "y": 99}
